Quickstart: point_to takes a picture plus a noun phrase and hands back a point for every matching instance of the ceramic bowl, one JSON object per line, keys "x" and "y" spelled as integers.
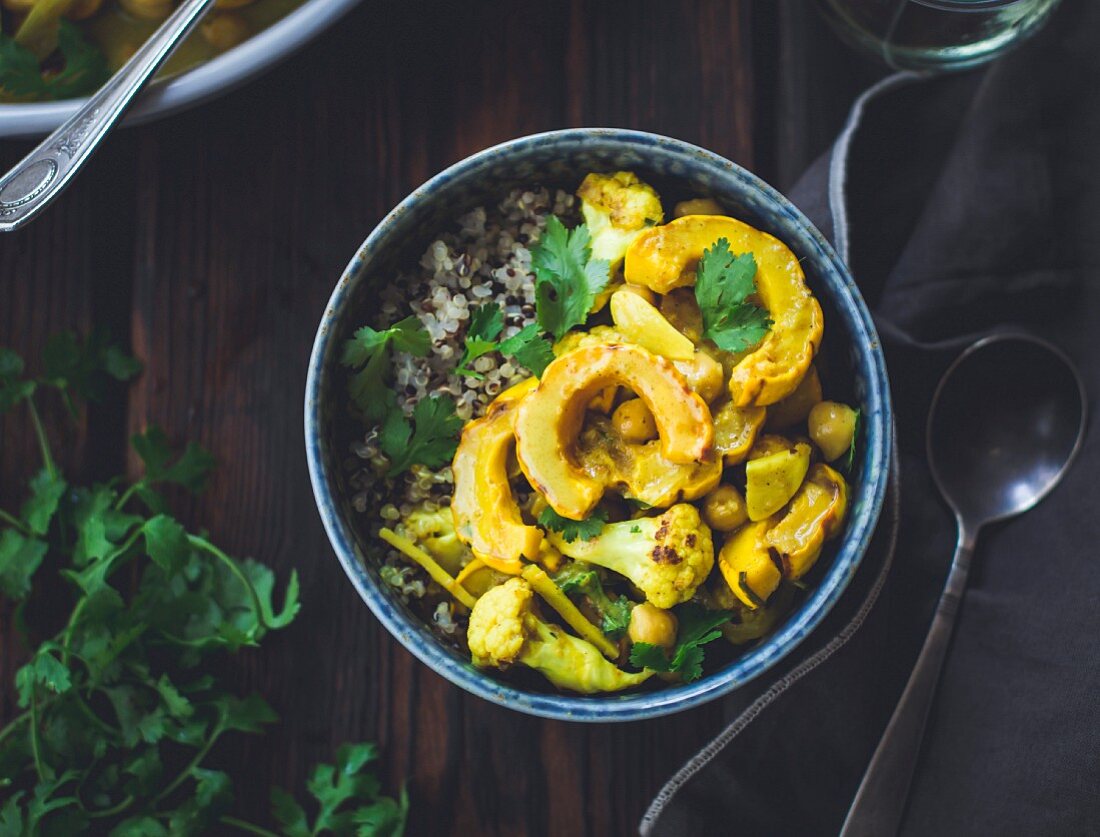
{"x": 212, "y": 78}
{"x": 854, "y": 371}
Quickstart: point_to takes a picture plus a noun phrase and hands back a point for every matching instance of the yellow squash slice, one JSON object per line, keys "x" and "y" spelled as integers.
{"x": 486, "y": 515}
{"x": 814, "y": 516}
{"x": 549, "y": 420}
{"x": 751, "y": 572}
{"x": 666, "y": 257}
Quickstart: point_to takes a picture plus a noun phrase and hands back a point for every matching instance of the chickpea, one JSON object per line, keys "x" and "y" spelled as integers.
{"x": 225, "y": 30}
{"x": 148, "y": 9}
{"x": 634, "y": 422}
{"x": 832, "y": 426}
{"x": 698, "y": 206}
{"x": 642, "y": 291}
{"x": 724, "y": 509}
{"x": 704, "y": 375}
{"x": 796, "y": 407}
{"x": 652, "y": 625}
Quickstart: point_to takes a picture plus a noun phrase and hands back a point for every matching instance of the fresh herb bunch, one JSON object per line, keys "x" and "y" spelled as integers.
{"x": 84, "y": 68}
{"x": 119, "y": 714}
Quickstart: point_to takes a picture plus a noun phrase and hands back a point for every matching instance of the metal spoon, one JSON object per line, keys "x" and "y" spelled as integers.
{"x": 1006, "y": 421}
{"x": 44, "y": 173}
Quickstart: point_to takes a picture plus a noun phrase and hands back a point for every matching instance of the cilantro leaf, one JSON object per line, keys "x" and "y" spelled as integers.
{"x": 723, "y": 284}
{"x": 166, "y": 542}
{"x": 47, "y": 488}
{"x": 486, "y": 322}
{"x": 368, "y": 352}
{"x": 43, "y": 671}
{"x": 19, "y": 558}
{"x": 13, "y": 388}
{"x": 190, "y": 470}
{"x": 84, "y": 69}
{"x": 529, "y": 348}
{"x": 84, "y": 367}
{"x": 697, "y": 627}
{"x": 567, "y": 277}
{"x": 579, "y": 577}
{"x": 431, "y": 439}
{"x": 570, "y": 530}
{"x": 347, "y": 798}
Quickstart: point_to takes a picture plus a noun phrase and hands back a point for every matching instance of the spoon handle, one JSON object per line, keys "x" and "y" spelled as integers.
{"x": 880, "y": 801}
{"x": 44, "y": 173}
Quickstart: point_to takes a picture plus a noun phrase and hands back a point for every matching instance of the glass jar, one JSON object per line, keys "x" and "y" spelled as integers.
{"x": 936, "y": 35}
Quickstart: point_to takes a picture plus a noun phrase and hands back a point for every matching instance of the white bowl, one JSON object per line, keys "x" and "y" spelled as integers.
{"x": 212, "y": 78}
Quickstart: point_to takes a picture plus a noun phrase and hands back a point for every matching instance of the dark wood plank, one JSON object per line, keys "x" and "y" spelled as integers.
{"x": 227, "y": 229}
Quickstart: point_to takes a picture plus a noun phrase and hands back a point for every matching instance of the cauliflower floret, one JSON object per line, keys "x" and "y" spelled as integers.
{"x": 434, "y": 530}
{"x": 617, "y": 207}
{"x": 666, "y": 557}
{"x": 505, "y": 630}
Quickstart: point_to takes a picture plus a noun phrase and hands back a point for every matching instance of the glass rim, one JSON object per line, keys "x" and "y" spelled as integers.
{"x": 965, "y": 5}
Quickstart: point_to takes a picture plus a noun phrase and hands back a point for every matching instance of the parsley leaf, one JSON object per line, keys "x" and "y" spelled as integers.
{"x": 486, "y": 322}
{"x": 568, "y": 279}
{"x": 368, "y": 352}
{"x": 529, "y": 348}
{"x": 570, "y": 530}
{"x": 430, "y": 440}
{"x": 697, "y": 627}
{"x": 723, "y": 284}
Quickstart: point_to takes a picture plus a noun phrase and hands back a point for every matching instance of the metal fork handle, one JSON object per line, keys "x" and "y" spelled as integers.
{"x": 880, "y": 802}
{"x": 44, "y": 173}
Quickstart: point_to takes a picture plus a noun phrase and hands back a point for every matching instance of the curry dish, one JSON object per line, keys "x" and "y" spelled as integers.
{"x": 598, "y": 441}
{"x": 61, "y": 49}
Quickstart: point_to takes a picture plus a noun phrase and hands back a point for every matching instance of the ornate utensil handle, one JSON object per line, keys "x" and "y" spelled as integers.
{"x": 44, "y": 173}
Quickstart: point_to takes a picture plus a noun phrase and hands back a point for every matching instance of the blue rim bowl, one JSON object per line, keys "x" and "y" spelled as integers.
{"x": 851, "y": 350}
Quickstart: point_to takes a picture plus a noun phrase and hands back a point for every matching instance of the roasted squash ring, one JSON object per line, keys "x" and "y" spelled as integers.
{"x": 485, "y": 512}
{"x": 550, "y": 418}
{"x": 666, "y": 257}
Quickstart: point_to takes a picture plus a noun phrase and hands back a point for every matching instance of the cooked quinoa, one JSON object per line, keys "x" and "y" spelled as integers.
{"x": 487, "y": 259}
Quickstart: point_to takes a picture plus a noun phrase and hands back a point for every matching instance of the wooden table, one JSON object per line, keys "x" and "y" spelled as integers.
{"x": 209, "y": 243}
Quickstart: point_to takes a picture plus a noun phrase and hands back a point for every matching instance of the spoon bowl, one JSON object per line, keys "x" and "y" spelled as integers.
{"x": 1006, "y": 421}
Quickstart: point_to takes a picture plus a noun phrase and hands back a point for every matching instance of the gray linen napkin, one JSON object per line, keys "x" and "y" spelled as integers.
{"x": 962, "y": 204}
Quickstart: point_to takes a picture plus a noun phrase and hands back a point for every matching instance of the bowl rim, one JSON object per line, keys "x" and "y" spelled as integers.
{"x": 875, "y": 461}
{"x": 199, "y": 84}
